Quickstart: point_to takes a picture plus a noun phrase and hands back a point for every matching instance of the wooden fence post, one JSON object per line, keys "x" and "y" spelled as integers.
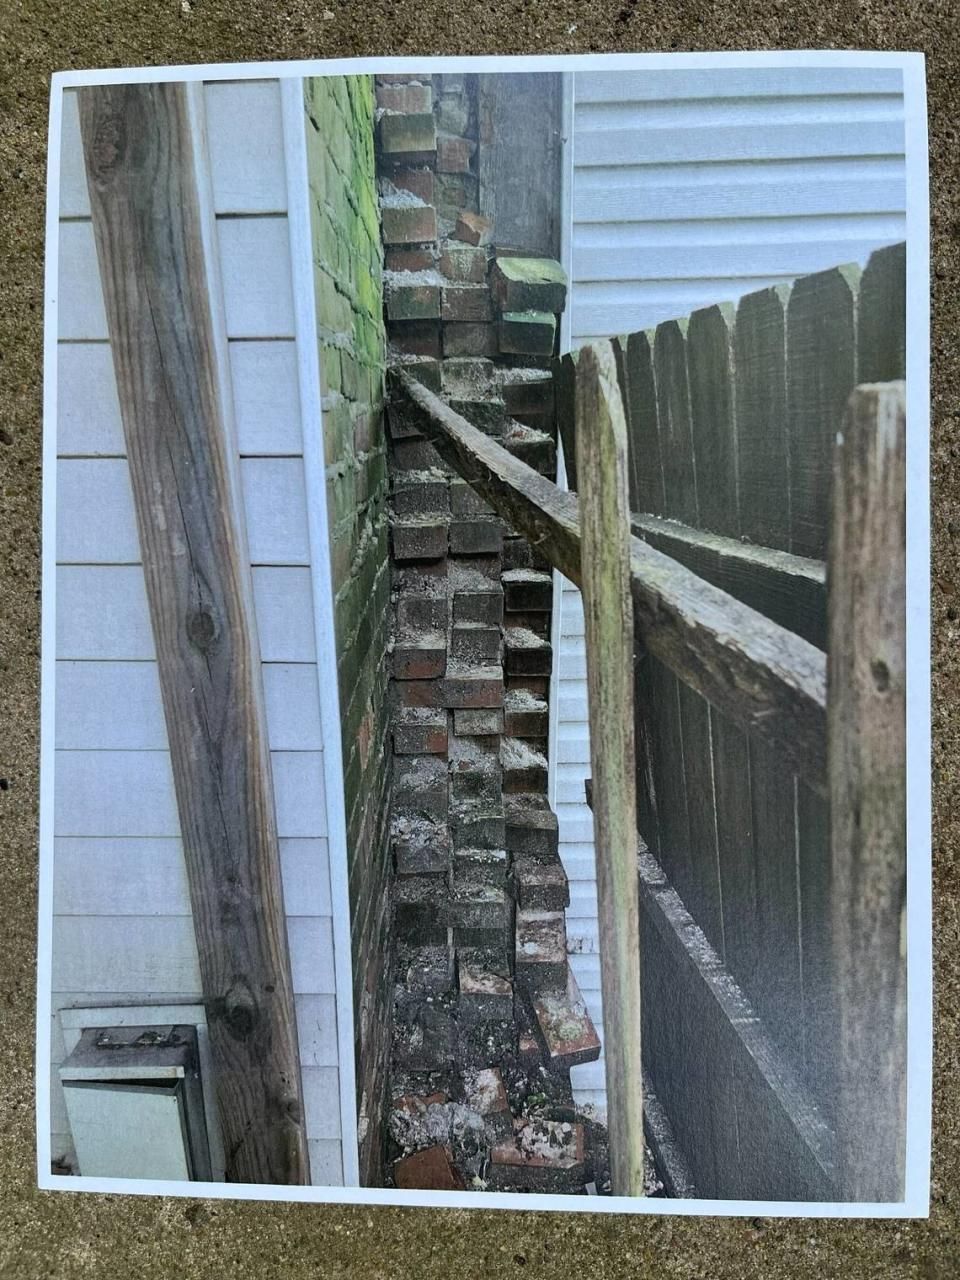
{"x": 138, "y": 148}
{"x": 866, "y": 713}
{"x": 601, "y": 447}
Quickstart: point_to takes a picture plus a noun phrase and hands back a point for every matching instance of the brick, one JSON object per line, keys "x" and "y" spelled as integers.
{"x": 525, "y": 653}
{"x": 425, "y": 1039}
{"x": 425, "y": 369}
{"x": 420, "y": 731}
{"x": 419, "y": 538}
{"x": 518, "y": 554}
{"x": 401, "y": 424}
{"x": 541, "y": 950}
{"x": 532, "y": 829}
{"x": 478, "y": 606}
{"x": 454, "y": 154}
{"x": 419, "y": 693}
{"x": 565, "y": 1027}
{"x": 541, "y": 885}
{"x": 529, "y": 284}
{"x": 527, "y": 332}
{"x": 531, "y": 446}
{"x": 419, "y": 656}
{"x": 407, "y": 298}
{"x": 469, "y": 339}
{"x": 429, "y": 1170}
{"x": 417, "y": 338}
{"x": 463, "y": 263}
{"x": 420, "y": 181}
{"x": 419, "y": 259}
{"x": 420, "y": 909}
{"x": 412, "y": 133}
{"x": 408, "y": 223}
{"x": 469, "y": 686}
{"x": 420, "y": 787}
{"x": 420, "y": 493}
{"x": 482, "y": 535}
{"x": 453, "y": 113}
{"x": 425, "y": 971}
{"x": 420, "y": 847}
{"x": 527, "y": 591}
{"x": 487, "y": 865}
{"x": 473, "y": 228}
{"x": 475, "y": 824}
{"x": 476, "y": 643}
{"x": 545, "y": 1156}
{"x": 407, "y": 99}
{"x": 528, "y": 391}
{"x": 417, "y": 455}
{"x": 488, "y": 414}
{"x": 484, "y": 997}
{"x": 465, "y": 501}
{"x": 466, "y": 302}
{"x": 420, "y": 613}
{"x": 524, "y": 768}
{"x": 525, "y": 715}
{"x": 478, "y": 722}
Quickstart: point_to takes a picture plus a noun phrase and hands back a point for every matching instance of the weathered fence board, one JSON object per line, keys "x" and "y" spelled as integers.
{"x": 868, "y": 787}
{"x": 146, "y": 215}
{"x": 608, "y": 619}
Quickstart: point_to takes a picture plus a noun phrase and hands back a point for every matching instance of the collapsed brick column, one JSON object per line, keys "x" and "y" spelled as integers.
{"x": 483, "y": 981}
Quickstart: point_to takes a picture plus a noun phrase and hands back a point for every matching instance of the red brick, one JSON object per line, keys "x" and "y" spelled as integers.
{"x": 402, "y": 136}
{"x": 469, "y": 339}
{"x": 411, "y": 301}
{"x": 468, "y": 302}
{"x": 420, "y": 181}
{"x": 409, "y": 260}
{"x": 454, "y": 154}
{"x": 419, "y": 657}
{"x": 464, "y": 263}
{"x": 473, "y": 228}
{"x": 408, "y": 223}
{"x": 417, "y": 338}
{"x": 408, "y": 99}
{"x": 419, "y": 693}
{"x": 429, "y": 1170}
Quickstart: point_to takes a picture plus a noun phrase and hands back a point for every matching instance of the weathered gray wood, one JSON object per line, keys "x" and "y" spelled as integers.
{"x": 867, "y": 727}
{"x": 601, "y": 433}
{"x": 673, "y": 411}
{"x": 787, "y": 1148}
{"x": 765, "y": 678}
{"x": 791, "y": 590}
{"x": 668, "y": 1158}
{"x": 821, "y": 371}
{"x": 139, "y": 159}
{"x": 761, "y": 410}
{"x": 519, "y": 159}
{"x": 882, "y": 317}
{"x": 564, "y": 394}
{"x": 640, "y": 405}
{"x": 713, "y": 428}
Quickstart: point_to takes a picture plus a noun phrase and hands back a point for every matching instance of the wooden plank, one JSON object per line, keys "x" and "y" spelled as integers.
{"x": 882, "y": 317}
{"x": 520, "y": 175}
{"x": 867, "y": 726}
{"x": 710, "y": 373}
{"x": 673, "y": 412}
{"x": 821, "y": 371}
{"x": 789, "y": 589}
{"x": 155, "y": 283}
{"x": 601, "y": 436}
{"x": 761, "y": 407}
{"x": 640, "y": 406}
{"x": 564, "y": 394}
{"x": 791, "y": 1151}
{"x": 763, "y": 677}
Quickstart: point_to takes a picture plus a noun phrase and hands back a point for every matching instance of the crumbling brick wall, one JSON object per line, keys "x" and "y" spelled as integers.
{"x": 348, "y": 270}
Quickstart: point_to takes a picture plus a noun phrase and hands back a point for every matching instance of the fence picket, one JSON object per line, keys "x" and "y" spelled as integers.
{"x": 709, "y": 366}
{"x": 881, "y": 346}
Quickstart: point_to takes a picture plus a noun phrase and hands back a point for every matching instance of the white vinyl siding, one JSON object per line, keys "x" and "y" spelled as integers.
{"x": 689, "y": 188}
{"x": 123, "y": 929}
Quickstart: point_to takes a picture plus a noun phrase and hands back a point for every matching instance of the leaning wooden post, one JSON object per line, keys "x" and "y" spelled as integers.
{"x": 866, "y": 715}
{"x": 601, "y": 449}
{"x": 139, "y": 156}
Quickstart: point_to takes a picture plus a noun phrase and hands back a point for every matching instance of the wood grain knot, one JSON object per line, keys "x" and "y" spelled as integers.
{"x": 202, "y": 628}
{"x": 240, "y": 1012}
{"x": 109, "y": 146}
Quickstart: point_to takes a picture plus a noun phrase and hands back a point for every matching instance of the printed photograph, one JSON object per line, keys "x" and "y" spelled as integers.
{"x": 475, "y": 633}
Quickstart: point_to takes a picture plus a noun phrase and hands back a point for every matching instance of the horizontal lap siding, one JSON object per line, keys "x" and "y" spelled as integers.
{"x": 123, "y": 926}
{"x": 689, "y": 189}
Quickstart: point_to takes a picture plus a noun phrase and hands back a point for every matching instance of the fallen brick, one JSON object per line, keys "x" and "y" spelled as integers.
{"x": 429, "y": 1170}
{"x": 546, "y": 1156}
{"x": 473, "y": 228}
{"x": 565, "y": 1027}
{"x": 484, "y": 997}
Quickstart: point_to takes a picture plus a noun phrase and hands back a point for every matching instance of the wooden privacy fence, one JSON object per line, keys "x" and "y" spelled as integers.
{"x": 774, "y": 1020}
{"x": 771, "y": 948}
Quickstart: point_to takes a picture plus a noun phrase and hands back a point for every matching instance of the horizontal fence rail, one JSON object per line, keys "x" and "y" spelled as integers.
{"x": 765, "y": 678}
